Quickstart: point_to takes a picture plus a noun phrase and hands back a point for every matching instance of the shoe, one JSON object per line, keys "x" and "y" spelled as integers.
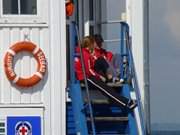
{"x": 121, "y": 80}
{"x": 132, "y": 104}
{"x": 115, "y": 79}
{"x": 114, "y": 82}
{"x": 82, "y": 85}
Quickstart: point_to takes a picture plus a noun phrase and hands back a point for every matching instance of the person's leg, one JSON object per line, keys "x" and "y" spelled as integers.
{"x": 104, "y": 68}
{"x": 101, "y": 66}
{"x": 117, "y": 65}
{"x": 116, "y": 62}
{"x": 109, "y": 92}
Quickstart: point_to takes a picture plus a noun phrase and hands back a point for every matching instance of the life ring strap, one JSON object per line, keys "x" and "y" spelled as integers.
{"x": 13, "y": 53}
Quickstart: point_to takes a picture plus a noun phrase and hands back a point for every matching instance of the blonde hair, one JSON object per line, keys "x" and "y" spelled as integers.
{"x": 88, "y": 42}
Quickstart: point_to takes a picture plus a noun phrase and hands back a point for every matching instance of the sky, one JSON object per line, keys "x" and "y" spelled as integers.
{"x": 164, "y": 45}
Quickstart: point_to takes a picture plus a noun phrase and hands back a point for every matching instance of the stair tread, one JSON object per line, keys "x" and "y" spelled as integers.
{"x": 99, "y": 101}
{"x": 109, "y": 134}
{"x": 109, "y": 118}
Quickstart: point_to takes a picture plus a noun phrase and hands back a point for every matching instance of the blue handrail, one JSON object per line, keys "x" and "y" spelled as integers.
{"x": 72, "y": 52}
{"x": 132, "y": 73}
{"x": 75, "y": 33}
{"x": 75, "y": 90}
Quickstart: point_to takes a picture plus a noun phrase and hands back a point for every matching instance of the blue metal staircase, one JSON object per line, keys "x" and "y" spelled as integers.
{"x": 108, "y": 118}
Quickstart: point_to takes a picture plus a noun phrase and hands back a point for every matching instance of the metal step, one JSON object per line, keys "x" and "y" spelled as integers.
{"x": 115, "y": 125}
{"x": 106, "y": 108}
{"x": 94, "y": 94}
{"x": 109, "y": 134}
{"x": 98, "y": 101}
{"x": 109, "y": 119}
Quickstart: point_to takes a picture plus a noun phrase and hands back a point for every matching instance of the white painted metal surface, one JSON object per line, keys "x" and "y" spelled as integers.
{"x": 58, "y": 67}
{"x": 25, "y": 65}
{"x": 137, "y": 17}
{"x": 12, "y": 96}
{"x": 20, "y": 112}
{"x": 48, "y": 97}
{"x": 136, "y": 26}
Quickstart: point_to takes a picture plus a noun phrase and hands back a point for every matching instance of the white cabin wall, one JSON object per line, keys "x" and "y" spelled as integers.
{"x": 48, "y": 96}
{"x": 37, "y": 96}
{"x": 58, "y": 66}
{"x": 135, "y": 19}
{"x": 25, "y": 65}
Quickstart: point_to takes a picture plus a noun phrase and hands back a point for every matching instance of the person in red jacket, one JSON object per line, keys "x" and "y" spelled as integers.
{"x": 96, "y": 79}
{"x": 87, "y": 50}
{"x": 99, "y": 50}
{"x": 112, "y": 59}
{"x": 94, "y": 66}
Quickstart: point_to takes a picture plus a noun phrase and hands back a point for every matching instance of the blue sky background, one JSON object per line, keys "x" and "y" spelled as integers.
{"x": 164, "y": 38}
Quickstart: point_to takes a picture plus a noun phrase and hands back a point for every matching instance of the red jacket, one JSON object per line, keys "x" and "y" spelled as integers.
{"x": 103, "y": 53}
{"x": 88, "y": 63}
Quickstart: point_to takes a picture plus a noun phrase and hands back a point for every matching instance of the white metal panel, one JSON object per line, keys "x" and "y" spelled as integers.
{"x": 138, "y": 41}
{"x": 25, "y": 64}
{"x": 50, "y": 92}
{"x": 5, "y": 86}
{"x": 21, "y": 112}
{"x": 25, "y": 67}
{"x": 34, "y": 97}
{"x": 137, "y": 16}
{"x": 16, "y": 93}
{"x": 35, "y": 34}
{"x": 58, "y": 66}
{"x": 46, "y": 90}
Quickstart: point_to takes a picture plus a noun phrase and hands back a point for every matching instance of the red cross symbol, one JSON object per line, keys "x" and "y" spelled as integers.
{"x": 23, "y": 130}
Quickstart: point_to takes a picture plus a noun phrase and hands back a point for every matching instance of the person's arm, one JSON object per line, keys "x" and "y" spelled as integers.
{"x": 91, "y": 69}
{"x": 93, "y": 72}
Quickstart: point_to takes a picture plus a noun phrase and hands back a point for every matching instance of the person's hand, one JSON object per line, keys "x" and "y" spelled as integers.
{"x": 102, "y": 78}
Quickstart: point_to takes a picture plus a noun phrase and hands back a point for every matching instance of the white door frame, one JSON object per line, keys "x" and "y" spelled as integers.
{"x": 58, "y": 65}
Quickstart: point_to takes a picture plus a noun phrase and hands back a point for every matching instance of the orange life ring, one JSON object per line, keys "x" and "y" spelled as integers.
{"x": 38, "y": 55}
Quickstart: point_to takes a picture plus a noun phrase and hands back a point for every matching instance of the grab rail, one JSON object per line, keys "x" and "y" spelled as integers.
{"x": 75, "y": 33}
{"x": 132, "y": 73}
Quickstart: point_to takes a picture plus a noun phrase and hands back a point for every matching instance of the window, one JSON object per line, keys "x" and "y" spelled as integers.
{"x": 25, "y": 12}
{"x": 19, "y": 7}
